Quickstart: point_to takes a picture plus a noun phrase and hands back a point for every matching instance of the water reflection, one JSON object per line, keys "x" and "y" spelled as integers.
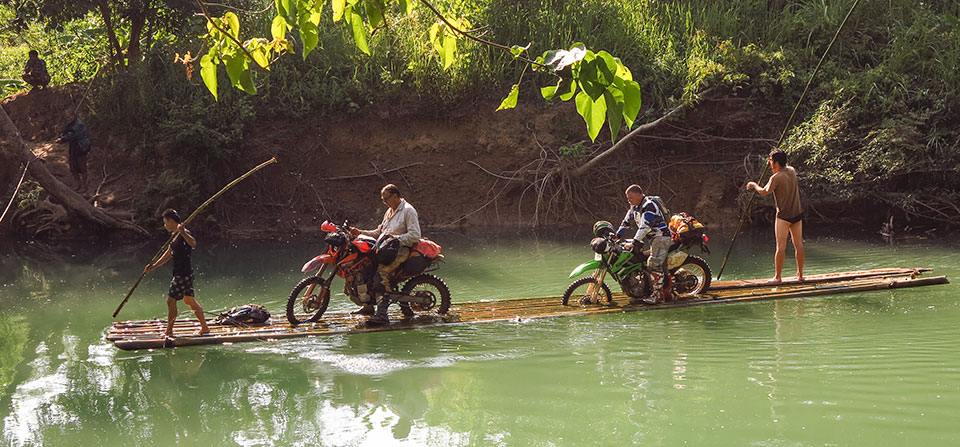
{"x": 848, "y": 370}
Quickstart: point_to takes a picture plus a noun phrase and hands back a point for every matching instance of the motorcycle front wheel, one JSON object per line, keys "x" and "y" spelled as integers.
{"x": 431, "y": 287}
{"x": 311, "y": 297}
{"x": 692, "y": 277}
{"x": 580, "y": 294}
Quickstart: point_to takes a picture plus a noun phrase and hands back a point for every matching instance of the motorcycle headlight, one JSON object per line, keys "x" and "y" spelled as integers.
{"x": 599, "y": 245}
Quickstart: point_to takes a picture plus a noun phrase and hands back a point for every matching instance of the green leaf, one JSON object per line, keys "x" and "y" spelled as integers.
{"x": 449, "y": 49}
{"x": 374, "y": 12}
{"x": 338, "y": 9}
{"x": 261, "y": 56}
{"x": 613, "y": 99}
{"x": 359, "y": 30}
{"x": 233, "y": 24}
{"x": 589, "y": 78}
{"x": 548, "y": 92}
{"x": 406, "y": 6}
{"x": 631, "y": 102}
{"x": 437, "y": 43}
{"x": 622, "y": 71}
{"x": 566, "y": 87}
{"x": 208, "y": 71}
{"x": 517, "y": 50}
{"x": 606, "y": 66}
{"x": 279, "y": 27}
{"x": 288, "y": 9}
{"x": 511, "y": 100}
{"x": 309, "y": 32}
{"x": 594, "y": 113}
{"x": 239, "y": 72}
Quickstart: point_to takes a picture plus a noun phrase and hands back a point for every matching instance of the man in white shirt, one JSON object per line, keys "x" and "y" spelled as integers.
{"x": 402, "y": 222}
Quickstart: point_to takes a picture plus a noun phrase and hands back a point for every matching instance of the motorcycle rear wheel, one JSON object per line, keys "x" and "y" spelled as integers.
{"x": 318, "y": 300}
{"x": 692, "y": 277}
{"x": 585, "y": 281}
{"x": 428, "y": 284}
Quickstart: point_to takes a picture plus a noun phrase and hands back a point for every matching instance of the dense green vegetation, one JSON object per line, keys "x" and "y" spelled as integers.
{"x": 877, "y": 127}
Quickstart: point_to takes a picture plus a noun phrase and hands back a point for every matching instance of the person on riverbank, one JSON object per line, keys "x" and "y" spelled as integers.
{"x": 35, "y": 71}
{"x": 648, "y": 215}
{"x": 789, "y": 220}
{"x": 181, "y": 286}
{"x": 75, "y": 133}
{"x": 401, "y": 222}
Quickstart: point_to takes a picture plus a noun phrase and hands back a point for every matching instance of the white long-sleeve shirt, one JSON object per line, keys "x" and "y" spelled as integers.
{"x": 404, "y": 223}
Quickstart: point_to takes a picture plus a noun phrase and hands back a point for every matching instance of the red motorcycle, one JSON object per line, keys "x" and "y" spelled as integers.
{"x": 353, "y": 258}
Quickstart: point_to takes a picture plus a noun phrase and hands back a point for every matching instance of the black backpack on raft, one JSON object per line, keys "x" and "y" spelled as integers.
{"x": 245, "y": 315}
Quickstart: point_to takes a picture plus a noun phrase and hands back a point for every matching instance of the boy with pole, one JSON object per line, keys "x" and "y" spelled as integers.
{"x": 181, "y": 286}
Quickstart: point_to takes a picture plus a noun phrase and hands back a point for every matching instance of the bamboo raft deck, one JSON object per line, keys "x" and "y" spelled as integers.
{"x": 146, "y": 334}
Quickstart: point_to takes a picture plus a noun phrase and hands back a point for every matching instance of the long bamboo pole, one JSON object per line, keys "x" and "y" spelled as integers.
{"x": 185, "y": 222}
{"x": 783, "y": 135}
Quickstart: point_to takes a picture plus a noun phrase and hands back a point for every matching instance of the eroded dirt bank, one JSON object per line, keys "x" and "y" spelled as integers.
{"x": 471, "y": 168}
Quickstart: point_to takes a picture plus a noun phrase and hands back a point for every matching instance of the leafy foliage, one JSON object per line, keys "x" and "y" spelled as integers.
{"x": 604, "y": 87}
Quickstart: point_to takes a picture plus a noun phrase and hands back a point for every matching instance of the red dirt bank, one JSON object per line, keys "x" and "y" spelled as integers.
{"x": 699, "y": 173}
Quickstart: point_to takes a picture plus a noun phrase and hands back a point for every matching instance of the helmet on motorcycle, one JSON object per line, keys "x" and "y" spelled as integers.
{"x": 336, "y": 239}
{"x": 602, "y": 228}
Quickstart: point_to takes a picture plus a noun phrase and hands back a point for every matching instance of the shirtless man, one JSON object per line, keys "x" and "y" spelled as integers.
{"x": 789, "y": 221}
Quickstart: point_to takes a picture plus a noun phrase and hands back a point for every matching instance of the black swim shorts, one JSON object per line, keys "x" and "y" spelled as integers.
{"x": 181, "y": 286}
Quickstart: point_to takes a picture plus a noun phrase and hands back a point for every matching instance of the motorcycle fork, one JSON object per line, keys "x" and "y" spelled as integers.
{"x": 595, "y": 287}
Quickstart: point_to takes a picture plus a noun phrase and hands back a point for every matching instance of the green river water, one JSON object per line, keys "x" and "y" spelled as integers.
{"x": 866, "y": 369}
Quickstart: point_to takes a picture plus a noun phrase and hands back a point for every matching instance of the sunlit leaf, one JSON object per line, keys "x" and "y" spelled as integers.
{"x": 433, "y": 33}
{"x": 589, "y": 79}
{"x": 406, "y": 6}
{"x": 548, "y": 92}
{"x": 631, "y": 101}
{"x": 233, "y": 24}
{"x": 564, "y": 58}
{"x": 359, "y": 29}
{"x": 517, "y": 50}
{"x": 566, "y": 88}
{"x": 309, "y": 32}
{"x": 613, "y": 99}
{"x": 208, "y": 71}
{"x": 606, "y": 66}
{"x": 594, "y": 113}
{"x": 338, "y": 9}
{"x": 288, "y": 9}
{"x": 449, "y": 49}
{"x": 279, "y": 28}
{"x": 261, "y": 56}
{"x": 239, "y": 72}
{"x": 511, "y": 100}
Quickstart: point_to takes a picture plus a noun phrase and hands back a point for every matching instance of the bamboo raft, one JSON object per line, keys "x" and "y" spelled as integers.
{"x": 146, "y": 334}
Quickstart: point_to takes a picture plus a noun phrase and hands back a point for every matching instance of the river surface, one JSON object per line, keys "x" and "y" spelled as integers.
{"x": 865, "y": 369}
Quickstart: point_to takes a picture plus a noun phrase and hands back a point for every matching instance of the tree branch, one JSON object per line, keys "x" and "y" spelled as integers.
{"x": 477, "y": 39}
{"x": 584, "y": 168}
{"x": 206, "y": 15}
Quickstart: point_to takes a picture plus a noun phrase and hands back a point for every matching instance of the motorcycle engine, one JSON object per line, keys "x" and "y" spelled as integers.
{"x": 636, "y": 285}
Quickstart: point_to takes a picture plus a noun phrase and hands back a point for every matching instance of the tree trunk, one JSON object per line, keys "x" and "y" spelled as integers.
{"x": 111, "y": 34}
{"x": 138, "y": 17}
{"x": 12, "y": 146}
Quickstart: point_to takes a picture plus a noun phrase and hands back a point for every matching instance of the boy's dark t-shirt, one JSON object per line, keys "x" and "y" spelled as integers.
{"x": 181, "y": 257}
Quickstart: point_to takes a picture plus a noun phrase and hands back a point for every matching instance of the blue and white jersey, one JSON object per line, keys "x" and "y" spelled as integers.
{"x": 648, "y": 218}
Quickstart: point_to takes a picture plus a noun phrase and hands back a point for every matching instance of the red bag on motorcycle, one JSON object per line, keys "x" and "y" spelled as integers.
{"x": 427, "y": 248}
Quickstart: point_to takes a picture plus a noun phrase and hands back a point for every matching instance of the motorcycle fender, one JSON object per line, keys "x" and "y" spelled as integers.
{"x": 589, "y": 265}
{"x": 676, "y": 260}
{"x": 315, "y": 263}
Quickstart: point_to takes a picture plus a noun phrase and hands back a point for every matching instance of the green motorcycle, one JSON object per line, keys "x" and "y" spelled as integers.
{"x": 621, "y": 259}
